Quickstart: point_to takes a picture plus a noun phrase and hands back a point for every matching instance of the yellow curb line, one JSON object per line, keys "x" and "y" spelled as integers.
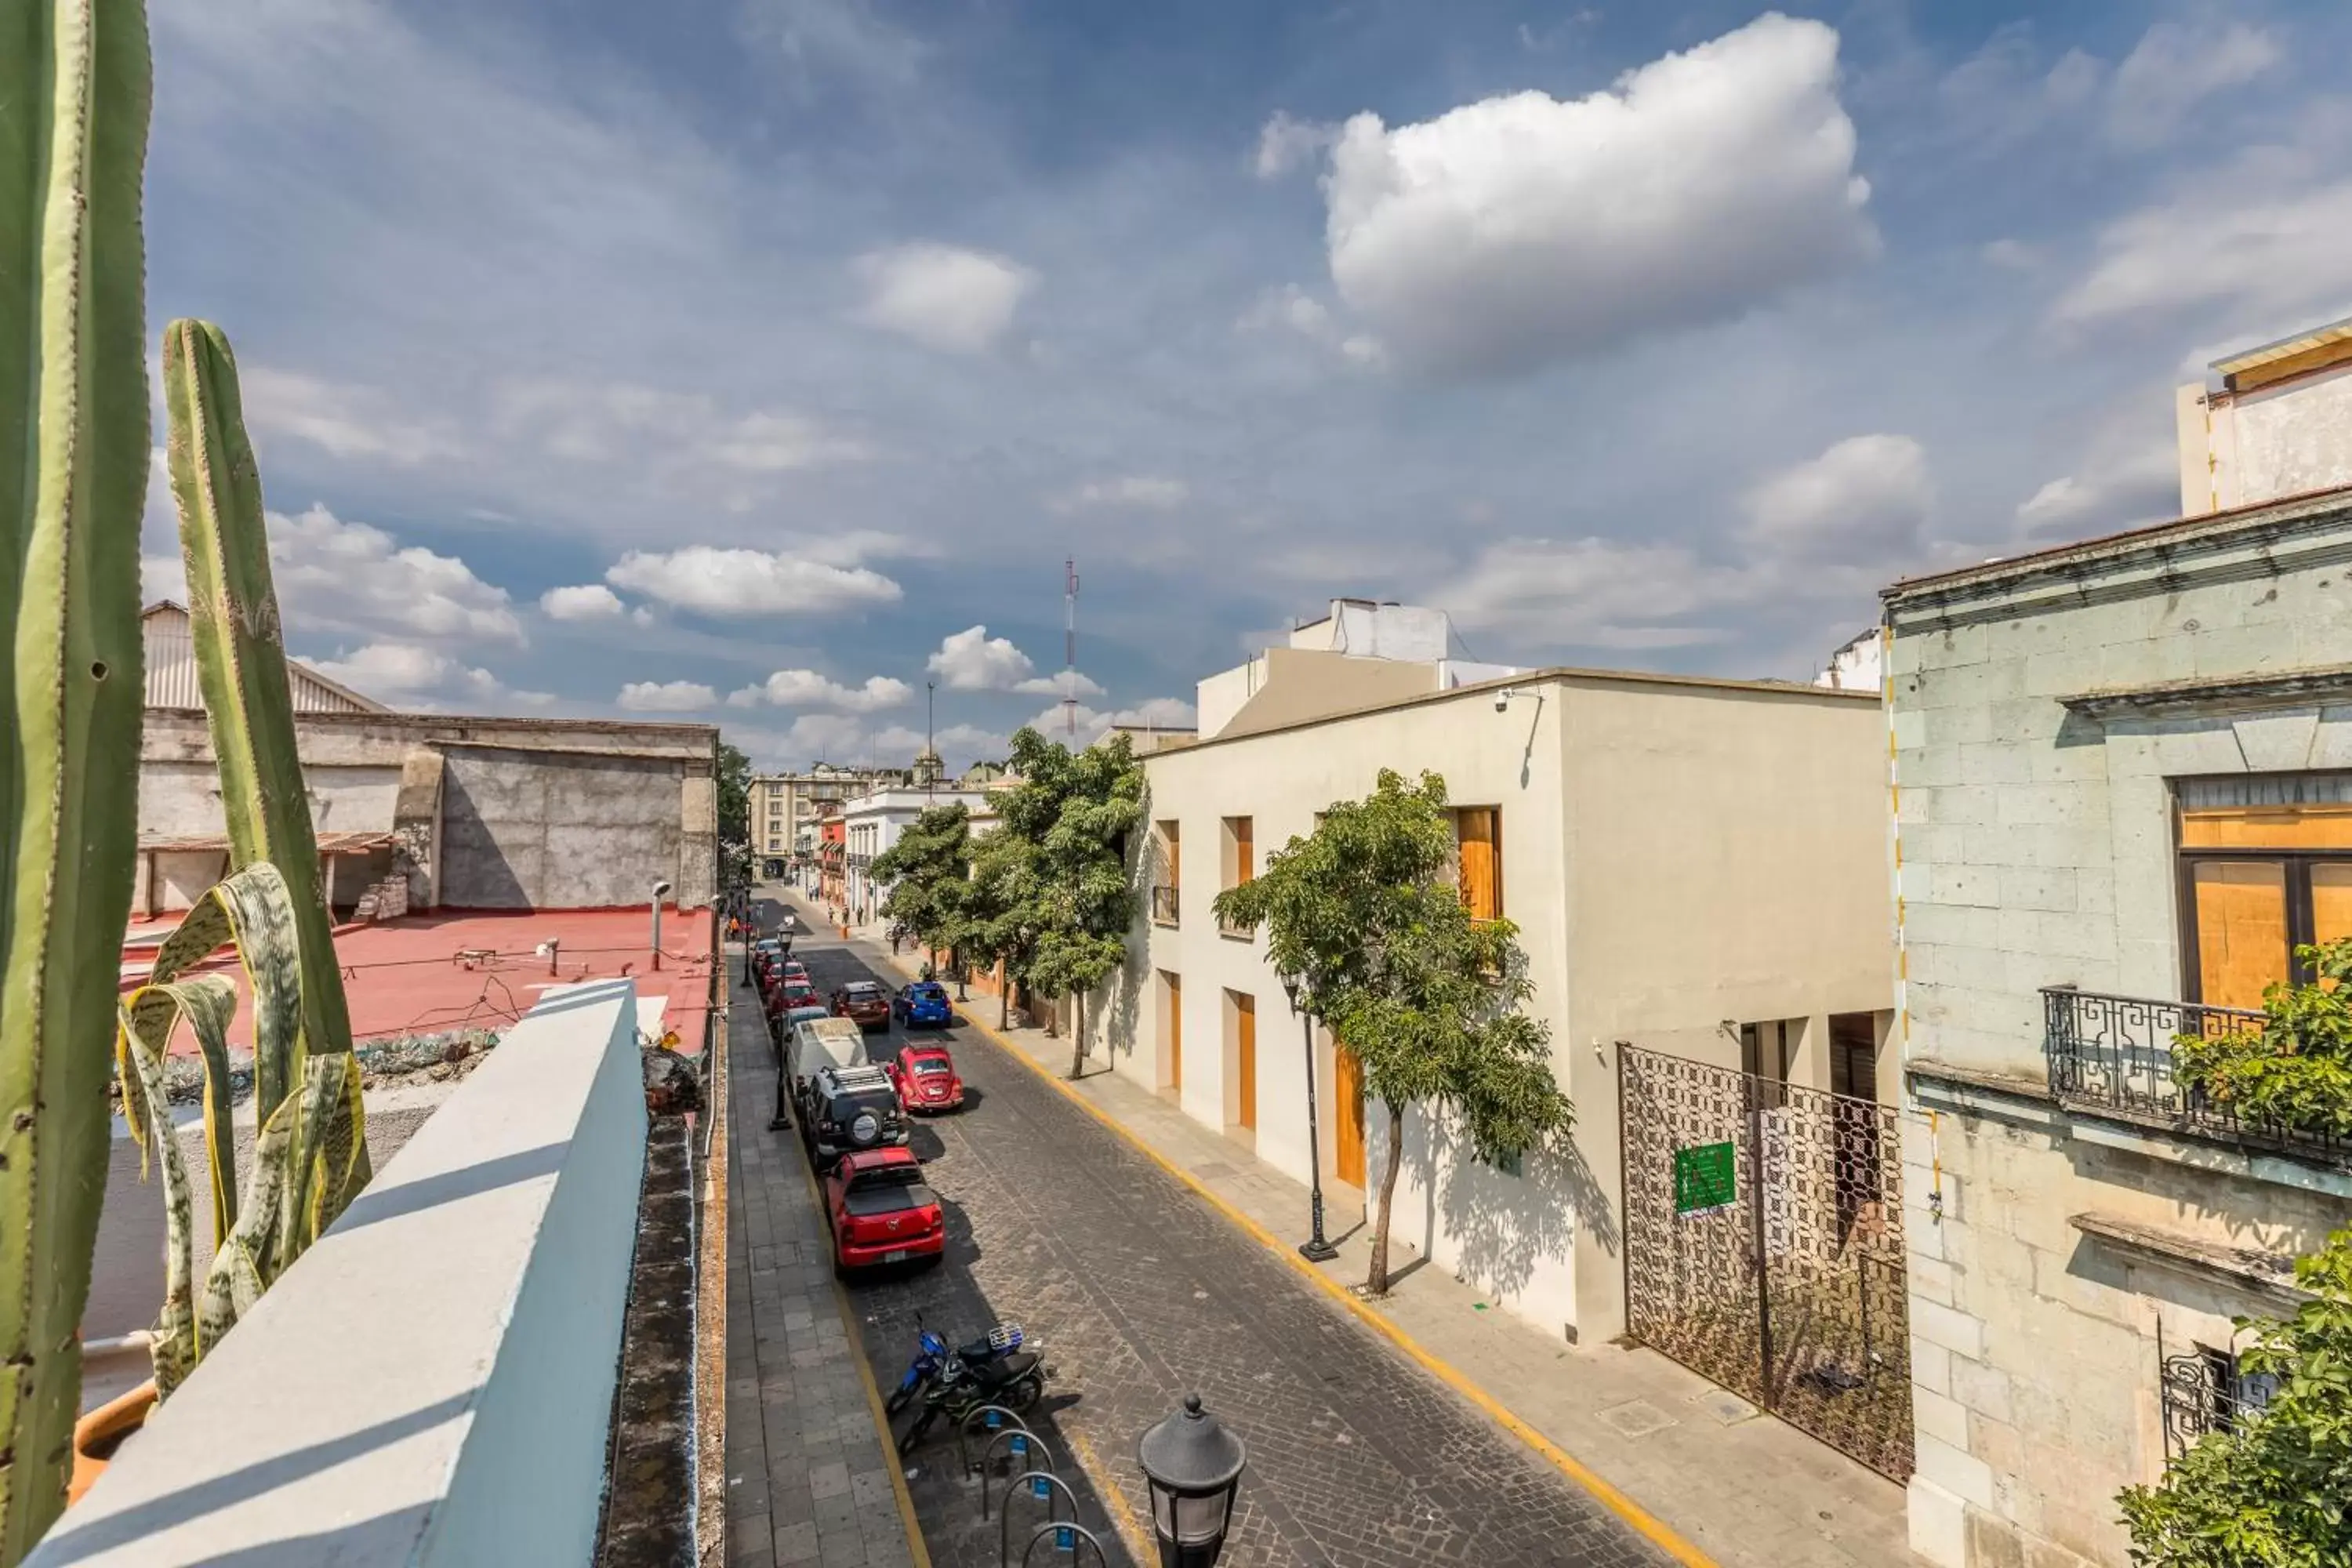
{"x": 922, "y": 1554}
{"x": 1656, "y": 1530}
{"x": 1122, "y": 1517}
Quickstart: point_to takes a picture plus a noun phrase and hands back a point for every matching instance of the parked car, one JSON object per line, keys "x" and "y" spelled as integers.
{"x": 881, "y": 1211}
{"x": 795, "y": 970}
{"x": 925, "y": 1078}
{"x": 847, "y": 1109}
{"x": 923, "y": 1003}
{"x": 864, "y": 1003}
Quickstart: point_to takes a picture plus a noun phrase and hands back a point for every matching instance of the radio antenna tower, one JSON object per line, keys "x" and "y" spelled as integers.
{"x": 1070, "y": 647}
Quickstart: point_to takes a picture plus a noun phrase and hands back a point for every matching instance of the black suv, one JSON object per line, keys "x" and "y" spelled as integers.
{"x": 846, "y": 1110}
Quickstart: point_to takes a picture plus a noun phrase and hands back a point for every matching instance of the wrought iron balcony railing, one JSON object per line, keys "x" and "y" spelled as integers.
{"x": 2206, "y": 1391}
{"x": 1165, "y": 904}
{"x": 2115, "y": 1054}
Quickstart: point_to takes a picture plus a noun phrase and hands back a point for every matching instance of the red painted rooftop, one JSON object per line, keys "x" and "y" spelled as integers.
{"x": 432, "y": 974}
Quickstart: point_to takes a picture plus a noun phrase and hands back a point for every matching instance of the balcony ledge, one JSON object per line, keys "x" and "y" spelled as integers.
{"x": 2268, "y": 1275}
{"x": 432, "y": 1383}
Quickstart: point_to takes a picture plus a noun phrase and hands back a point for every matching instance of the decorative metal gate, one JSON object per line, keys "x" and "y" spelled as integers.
{"x": 1764, "y": 1246}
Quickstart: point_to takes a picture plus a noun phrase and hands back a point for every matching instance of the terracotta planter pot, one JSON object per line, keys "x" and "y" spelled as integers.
{"x": 99, "y": 1433}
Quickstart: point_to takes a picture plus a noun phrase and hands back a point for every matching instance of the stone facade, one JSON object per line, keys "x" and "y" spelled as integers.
{"x": 2045, "y": 711}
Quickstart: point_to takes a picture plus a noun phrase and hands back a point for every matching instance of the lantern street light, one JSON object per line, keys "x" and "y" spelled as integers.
{"x": 1193, "y": 1466}
{"x": 1315, "y": 1249}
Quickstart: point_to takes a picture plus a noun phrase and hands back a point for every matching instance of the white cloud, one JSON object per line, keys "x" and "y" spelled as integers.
{"x": 598, "y": 423}
{"x": 2122, "y": 482}
{"x": 586, "y": 602}
{"x": 1291, "y": 309}
{"x": 2011, "y": 255}
{"x": 1144, "y": 492}
{"x": 341, "y": 576}
{"x": 666, "y": 697}
{"x": 1076, "y": 683}
{"x": 751, "y": 582}
{"x": 2266, "y": 241}
{"x": 943, "y": 297}
{"x": 1157, "y": 712}
{"x": 1593, "y": 593}
{"x": 1864, "y": 498}
{"x": 407, "y": 675}
{"x": 972, "y": 660}
{"x": 1519, "y": 230}
{"x": 2174, "y": 67}
{"x": 346, "y": 421}
{"x": 1284, "y": 143}
{"x": 807, "y": 689}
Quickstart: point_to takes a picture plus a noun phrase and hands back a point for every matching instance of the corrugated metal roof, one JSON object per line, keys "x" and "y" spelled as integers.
{"x": 171, "y": 670}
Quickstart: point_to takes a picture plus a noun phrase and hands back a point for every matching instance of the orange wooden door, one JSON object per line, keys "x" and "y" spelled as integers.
{"x": 1347, "y": 1116}
{"x": 1246, "y": 1058}
{"x": 1175, "y": 1031}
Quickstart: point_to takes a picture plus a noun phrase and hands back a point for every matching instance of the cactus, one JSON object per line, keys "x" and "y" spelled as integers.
{"x": 74, "y": 92}
{"x": 308, "y": 1159}
{"x": 241, "y": 665}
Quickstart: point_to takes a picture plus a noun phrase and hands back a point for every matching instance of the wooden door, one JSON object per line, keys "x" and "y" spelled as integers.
{"x": 1175, "y": 1030}
{"x": 1346, "y": 1116}
{"x": 1245, "y": 1059}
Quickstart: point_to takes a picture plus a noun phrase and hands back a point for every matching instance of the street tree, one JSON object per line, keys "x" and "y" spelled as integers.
{"x": 733, "y": 775}
{"x": 1365, "y": 914}
{"x": 926, "y": 871}
{"x": 2273, "y": 1488}
{"x": 1075, "y": 809}
{"x": 998, "y": 911}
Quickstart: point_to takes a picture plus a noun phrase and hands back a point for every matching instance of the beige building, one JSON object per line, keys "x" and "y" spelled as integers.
{"x": 2123, "y": 774}
{"x": 1697, "y": 869}
{"x": 787, "y": 807}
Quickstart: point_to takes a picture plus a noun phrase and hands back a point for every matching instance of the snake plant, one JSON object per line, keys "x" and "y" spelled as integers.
{"x": 309, "y": 1157}
{"x": 73, "y": 95}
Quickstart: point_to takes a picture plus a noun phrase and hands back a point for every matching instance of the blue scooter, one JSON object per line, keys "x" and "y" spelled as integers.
{"x": 931, "y": 1352}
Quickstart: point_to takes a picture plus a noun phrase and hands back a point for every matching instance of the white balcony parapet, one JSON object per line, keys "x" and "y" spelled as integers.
{"x": 432, "y": 1384}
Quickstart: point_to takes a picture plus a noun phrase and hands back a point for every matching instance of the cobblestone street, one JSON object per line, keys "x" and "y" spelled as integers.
{"x": 1141, "y": 1294}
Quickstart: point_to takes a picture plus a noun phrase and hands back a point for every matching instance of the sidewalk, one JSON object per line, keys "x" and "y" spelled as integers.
{"x": 1747, "y": 1490}
{"x": 809, "y": 1480}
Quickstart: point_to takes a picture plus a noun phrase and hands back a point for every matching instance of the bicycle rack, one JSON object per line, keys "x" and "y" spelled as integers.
{"x": 1040, "y": 1484}
{"x": 1018, "y": 1440}
{"x": 1067, "y": 1537}
{"x": 997, "y": 1415}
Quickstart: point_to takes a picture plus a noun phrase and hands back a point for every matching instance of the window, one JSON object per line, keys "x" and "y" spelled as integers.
{"x": 1165, "y": 905}
{"x": 2265, "y": 867}
{"x": 1478, "y": 836}
{"x": 1240, "y": 861}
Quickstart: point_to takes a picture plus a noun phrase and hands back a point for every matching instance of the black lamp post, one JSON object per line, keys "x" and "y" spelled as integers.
{"x": 1193, "y": 1466}
{"x": 1315, "y": 1249}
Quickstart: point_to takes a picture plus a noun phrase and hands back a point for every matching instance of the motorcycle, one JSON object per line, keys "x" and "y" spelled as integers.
{"x": 1015, "y": 1380}
{"x": 932, "y": 1352}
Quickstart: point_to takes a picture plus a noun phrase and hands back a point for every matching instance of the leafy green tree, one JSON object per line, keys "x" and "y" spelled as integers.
{"x": 2295, "y": 1071}
{"x": 1365, "y": 913}
{"x": 926, "y": 871}
{"x": 2274, "y": 1489}
{"x": 1074, "y": 809}
{"x": 734, "y": 777}
{"x": 998, "y": 909}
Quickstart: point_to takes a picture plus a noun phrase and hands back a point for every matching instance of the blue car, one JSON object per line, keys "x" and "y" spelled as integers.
{"x": 924, "y": 1005}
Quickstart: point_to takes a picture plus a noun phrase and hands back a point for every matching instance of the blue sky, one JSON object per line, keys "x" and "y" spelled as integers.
{"x": 737, "y": 360}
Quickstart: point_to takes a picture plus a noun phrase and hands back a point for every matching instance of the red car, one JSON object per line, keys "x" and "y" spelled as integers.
{"x": 925, "y": 1078}
{"x": 881, "y": 1211}
{"x": 864, "y": 1003}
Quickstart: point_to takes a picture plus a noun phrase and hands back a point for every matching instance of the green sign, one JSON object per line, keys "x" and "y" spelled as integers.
{"x": 1703, "y": 1178}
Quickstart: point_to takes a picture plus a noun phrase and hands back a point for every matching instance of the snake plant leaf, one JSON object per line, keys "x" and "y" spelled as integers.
{"x": 240, "y": 657}
{"x": 74, "y": 445}
{"x": 150, "y": 1014}
{"x": 173, "y": 1347}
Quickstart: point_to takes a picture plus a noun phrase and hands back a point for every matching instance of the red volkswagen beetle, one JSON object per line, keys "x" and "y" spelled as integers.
{"x": 925, "y": 1078}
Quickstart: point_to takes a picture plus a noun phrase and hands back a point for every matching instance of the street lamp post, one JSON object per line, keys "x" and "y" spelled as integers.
{"x": 1315, "y": 1249}
{"x": 1193, "y": 1465}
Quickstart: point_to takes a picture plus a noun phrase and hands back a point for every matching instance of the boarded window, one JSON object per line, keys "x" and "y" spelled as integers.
{"x": 2266, "y": 867}
{"x": 1480, "y": 831}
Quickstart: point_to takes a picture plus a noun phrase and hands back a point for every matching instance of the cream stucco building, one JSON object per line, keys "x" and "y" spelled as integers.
{"x": 1696, "y": 867}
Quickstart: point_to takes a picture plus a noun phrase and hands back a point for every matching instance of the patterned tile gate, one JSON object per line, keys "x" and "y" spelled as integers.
{"x": 1785, "y": 1283}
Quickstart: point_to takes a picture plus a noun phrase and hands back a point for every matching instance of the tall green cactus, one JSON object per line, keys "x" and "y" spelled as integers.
{"x": 241, "y": 663}
{"x": 74, "y": 94}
